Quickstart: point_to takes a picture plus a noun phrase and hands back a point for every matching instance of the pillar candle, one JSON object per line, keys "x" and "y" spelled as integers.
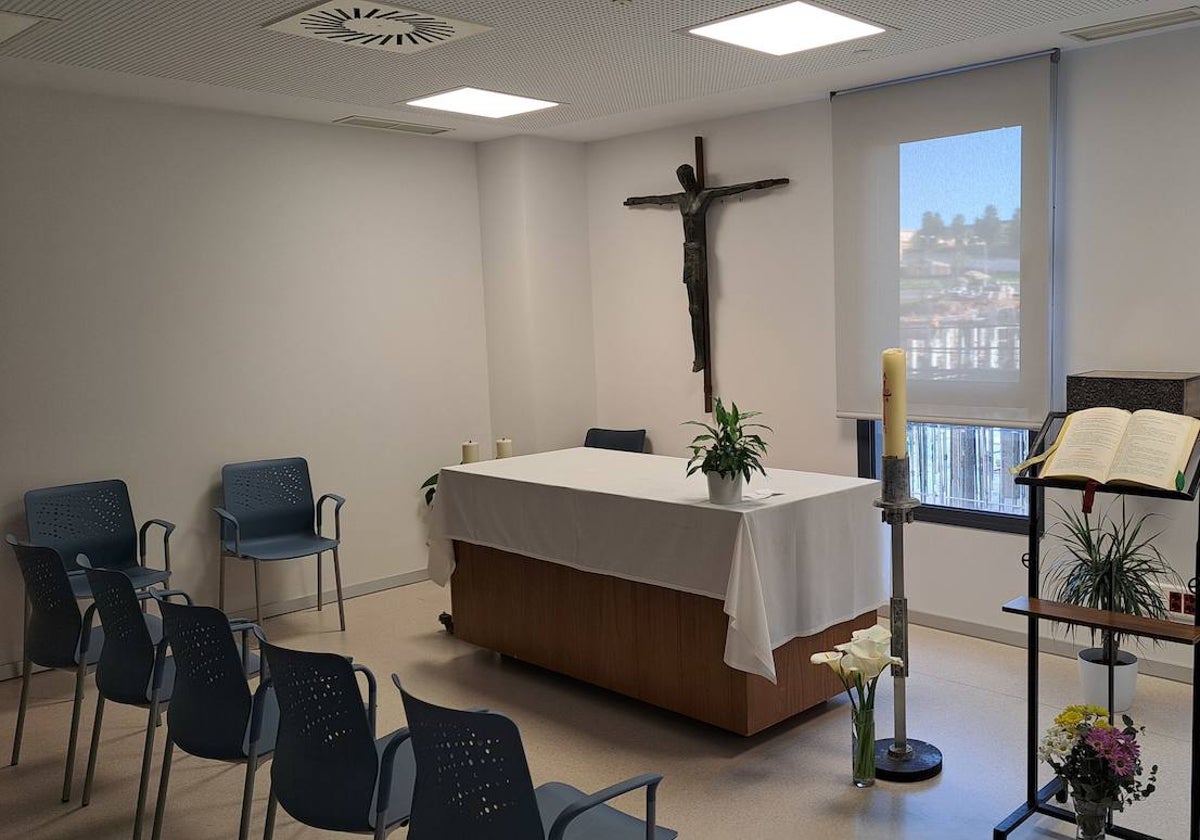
{"x": 470, "y": 452}
{"x": 503, "y": 447}
{"x": 895, "y": 403}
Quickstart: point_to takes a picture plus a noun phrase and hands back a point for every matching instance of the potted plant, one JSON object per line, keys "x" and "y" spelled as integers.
{"x": 727, "y": 452}
{"x": 1109, "y": 563}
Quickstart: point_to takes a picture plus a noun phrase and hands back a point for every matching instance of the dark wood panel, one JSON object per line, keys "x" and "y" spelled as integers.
{"x": 1150, "y": 628}
{"x": 655, "y": 644}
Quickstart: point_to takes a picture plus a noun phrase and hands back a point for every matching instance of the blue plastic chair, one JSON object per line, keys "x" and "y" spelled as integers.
{"x": 54, "y": 637}
{"x": 473, "y": 783}
{"x": 632, "y": 440}
{"x": 268, "y": 515}
{"x": 95, "y": 519}
{"x": 134, "y": 668}
{"x": 329, "y": 770}
{"x": 212, "y": 713}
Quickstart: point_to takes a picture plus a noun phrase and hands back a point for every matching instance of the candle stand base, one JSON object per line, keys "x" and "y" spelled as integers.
{"x": 921, "y": 761}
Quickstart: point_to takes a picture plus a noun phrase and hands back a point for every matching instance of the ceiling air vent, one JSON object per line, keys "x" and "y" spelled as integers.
{"x": 391, "y": 125}
{"x": 1129, "y": 26}
{"x": 377, "y": 26}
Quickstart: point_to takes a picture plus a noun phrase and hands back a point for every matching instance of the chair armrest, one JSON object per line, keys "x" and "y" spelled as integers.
{"x": 160, "y": 657}
{"x": 337, "y": 513}
{"x": 387, "y": 767}
{"x": 241, "y": 625}
{"x": 168, "y": 529}
{"x": 85, "y": 637}
{"x": 168, "y": 594}
{"x": 228, "y": 518}
{"x": 372, "y": 693}
{"x": 647, "y": 780}
{"x": 256, "y": 713}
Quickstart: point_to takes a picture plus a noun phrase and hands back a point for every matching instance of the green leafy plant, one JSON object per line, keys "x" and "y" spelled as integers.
{"x": 1109, "y": 563}
{"x": 728, "y": 447}
{"x": 430, "y": 488}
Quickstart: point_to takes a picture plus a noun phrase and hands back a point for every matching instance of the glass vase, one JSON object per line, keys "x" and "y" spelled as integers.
{"x": 862, "y": 747}
{"x": 1091, "y": 819}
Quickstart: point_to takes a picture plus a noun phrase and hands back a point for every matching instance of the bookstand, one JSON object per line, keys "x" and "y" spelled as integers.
{"x": 1037, "y": 800}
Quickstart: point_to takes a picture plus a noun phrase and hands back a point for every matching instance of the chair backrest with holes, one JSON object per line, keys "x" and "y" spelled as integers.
{"x": 52, "y": 638}
{"x": 269, "y": 498}
{"x": 127, "y": 660}
{"x": 472, "y": 776}
{"x": 210, "y": 702}
{"x": 325, "y": 764}
{"x": 95, "y": 519}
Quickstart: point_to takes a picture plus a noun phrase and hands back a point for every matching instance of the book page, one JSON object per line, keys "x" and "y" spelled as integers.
{"x": 1156, "y": 448}
{"x": 1088, "y": 444}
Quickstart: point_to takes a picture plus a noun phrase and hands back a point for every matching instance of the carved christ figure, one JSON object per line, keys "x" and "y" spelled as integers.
{"x": 693, "y": 204}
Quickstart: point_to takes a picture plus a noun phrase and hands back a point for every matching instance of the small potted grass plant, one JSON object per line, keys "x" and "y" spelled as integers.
{"x": 1109, "y": 562}
{"x": 727, "y": 452}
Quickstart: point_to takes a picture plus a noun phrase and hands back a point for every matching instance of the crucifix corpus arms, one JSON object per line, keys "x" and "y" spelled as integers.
{"x": 693, "y": 204}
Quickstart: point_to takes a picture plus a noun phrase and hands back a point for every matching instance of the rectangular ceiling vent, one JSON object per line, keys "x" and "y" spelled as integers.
{"x": 391, "y": 125}
{"x": 377, "y": 26}
{"x": 1129, "y": 26}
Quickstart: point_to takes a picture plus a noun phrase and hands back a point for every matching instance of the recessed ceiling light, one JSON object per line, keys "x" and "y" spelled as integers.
{"x": 786, "y": 29}
{"x": 481, "y": 103}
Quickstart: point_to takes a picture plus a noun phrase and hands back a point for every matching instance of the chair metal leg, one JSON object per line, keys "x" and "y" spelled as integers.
{"x": 320, "y": 582}
{"x": 69, "y": 773}
{"x": 91, "y": 768}
{"x": 160, "y": 806}
{"x": 257, "y": 597}
{"x": 337, "y": 577}
{"x": 380, "y": 829}
{"x": 26, "y": 668}
{"x": 26, "y": 673}
{"x": 272, "y": 805}
{"x": 247, "y": 798}
{"x": 147, "y": 759}
{"x": 221, "y": 577}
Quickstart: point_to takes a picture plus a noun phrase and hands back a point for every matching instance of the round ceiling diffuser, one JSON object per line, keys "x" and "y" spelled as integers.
{"x": 376, "y": 25}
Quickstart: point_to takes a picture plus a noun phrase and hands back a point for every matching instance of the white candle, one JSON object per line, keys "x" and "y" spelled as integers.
{"x": 470, "y": 452}
{"x": 895, "y": 403}
{"x": 504, "y": 447}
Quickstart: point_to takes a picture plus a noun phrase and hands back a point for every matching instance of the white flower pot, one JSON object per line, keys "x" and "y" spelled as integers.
{"x": 1093, "y": 676}
{"x": 724, "y": 491}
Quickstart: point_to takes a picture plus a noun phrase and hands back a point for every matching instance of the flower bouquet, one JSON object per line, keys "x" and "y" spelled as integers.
{"x": 1099, "y": 762}
{"x": 858, "y": 664}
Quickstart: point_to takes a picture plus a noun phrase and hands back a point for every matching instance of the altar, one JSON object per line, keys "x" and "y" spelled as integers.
{"x": 613, "y": 568}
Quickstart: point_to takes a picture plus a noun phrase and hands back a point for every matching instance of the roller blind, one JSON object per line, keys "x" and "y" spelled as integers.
{"x": 943, "y": 228}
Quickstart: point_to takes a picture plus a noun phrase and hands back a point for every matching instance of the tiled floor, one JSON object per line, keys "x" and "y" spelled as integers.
{"x": 965, "y": 695}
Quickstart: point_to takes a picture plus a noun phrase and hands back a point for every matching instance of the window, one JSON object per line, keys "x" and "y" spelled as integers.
{"x": 960, "y": 473}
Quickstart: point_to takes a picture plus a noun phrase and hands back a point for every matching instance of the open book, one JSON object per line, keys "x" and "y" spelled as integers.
{"x": 1113, "y": 446}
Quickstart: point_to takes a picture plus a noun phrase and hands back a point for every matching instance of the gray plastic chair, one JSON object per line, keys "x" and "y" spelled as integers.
{"x": 268, "y": 515}
{"x": 95, "y": 519}
{"x": 212, "y": 713}
{"x": 473, "y": 783}
{"x": 329, "y": 770}
{"x": 134, "y": 668}
{"x": 54, "y": 637}
{"x": 631, "y": 440}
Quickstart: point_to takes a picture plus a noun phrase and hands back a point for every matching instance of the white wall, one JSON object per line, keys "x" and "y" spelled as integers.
{"x": 1128, "y": 211}
{"x": 537, "y": 284}
{"x": 184, "y": 288}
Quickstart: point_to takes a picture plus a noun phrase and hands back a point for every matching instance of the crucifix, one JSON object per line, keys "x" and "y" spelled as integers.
{"x": 693, "y": 204}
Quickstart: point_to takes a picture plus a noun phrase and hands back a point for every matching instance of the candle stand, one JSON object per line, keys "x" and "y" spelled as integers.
{"x": 900, "y": 758}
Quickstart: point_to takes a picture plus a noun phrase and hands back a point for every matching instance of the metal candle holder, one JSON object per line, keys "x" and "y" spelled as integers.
{"x": 900, "y": 758}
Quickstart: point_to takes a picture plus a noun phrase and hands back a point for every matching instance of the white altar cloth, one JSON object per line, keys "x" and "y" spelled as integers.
{"x": 787, "y": 566}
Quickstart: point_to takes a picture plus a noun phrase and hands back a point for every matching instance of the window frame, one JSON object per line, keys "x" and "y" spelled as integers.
{"x": 1007, "y": 523}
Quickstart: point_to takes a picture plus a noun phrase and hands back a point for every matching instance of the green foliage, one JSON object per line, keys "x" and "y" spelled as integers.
{"x": 1109, "y": 563}
{"x": 430, "y": 488}
{"x": 728, "y": 447}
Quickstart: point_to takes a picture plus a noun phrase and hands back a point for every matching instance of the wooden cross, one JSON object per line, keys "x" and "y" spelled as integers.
{"x": 693, "y": 204}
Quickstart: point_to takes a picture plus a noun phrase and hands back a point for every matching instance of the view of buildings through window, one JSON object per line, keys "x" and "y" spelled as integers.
{"x": 960, "y": 306}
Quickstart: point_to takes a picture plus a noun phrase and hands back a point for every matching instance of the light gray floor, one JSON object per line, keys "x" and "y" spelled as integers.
{"x": 965, "y": 695}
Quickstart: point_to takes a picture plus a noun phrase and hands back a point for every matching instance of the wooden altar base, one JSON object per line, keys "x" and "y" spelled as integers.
{"x": 657, "y": 645}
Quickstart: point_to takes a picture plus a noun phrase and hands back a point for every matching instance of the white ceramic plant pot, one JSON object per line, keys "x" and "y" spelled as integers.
{"x": 724, "y": 491}
{"x": 1093, "y": 676}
